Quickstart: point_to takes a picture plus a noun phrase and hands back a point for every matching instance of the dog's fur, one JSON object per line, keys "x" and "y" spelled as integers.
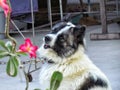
{"x": 63, "y": 49}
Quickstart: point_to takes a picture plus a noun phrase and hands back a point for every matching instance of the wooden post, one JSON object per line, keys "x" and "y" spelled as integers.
{"x": 103, "y": 16}
{"x": 49, "y": 12}
{"x": 104, "y": 35}
{"x": 89, "y": 4}
{"x": 61, "y": 9}
{"x": 81, "y": 4}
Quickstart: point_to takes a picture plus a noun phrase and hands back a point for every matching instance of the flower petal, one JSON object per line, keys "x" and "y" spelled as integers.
{"x": 29, "y": 48}
{"x": 28, "y": 42}
{"x": 23, "y": 48}
{"x": 5, "y": 7}
{"x": 32, "y": 54}
{"x": 34, "y": 48}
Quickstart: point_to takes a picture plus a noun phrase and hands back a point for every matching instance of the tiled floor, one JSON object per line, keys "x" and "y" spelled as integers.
{"x": 105, "y": 54}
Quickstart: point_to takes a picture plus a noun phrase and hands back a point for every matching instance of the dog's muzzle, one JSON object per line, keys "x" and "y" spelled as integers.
{"x": 46, "y": 46}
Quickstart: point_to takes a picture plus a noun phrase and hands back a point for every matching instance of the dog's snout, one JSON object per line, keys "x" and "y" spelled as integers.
{"x": 47, "y": 38}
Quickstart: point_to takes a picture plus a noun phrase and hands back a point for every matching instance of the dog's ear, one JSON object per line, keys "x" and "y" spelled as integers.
{"x": 79, "y": 33}
{"x": 78, "y": 30}
{"x": 67, "y": 18}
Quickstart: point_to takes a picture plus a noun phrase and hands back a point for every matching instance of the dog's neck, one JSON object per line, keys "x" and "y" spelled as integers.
{"x": 78, "y": 59}
{"x": 75, "y": 57}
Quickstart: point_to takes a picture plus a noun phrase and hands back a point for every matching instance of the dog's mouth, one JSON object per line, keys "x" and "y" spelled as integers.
{"x": 46, "y": 46}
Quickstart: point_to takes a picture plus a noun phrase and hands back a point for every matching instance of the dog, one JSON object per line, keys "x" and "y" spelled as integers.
{"x": 63, "y": 50}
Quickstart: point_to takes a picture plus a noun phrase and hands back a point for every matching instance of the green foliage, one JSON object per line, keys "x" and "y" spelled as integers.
{"x": 2, "y": 44}
{"x": 37, "y": 89}
{"x": 55, "y": 80}
{"x": 9, "y": 46}
{"x": 12, "y": 66}
{"x": 13, "y": 62}
{"x": 21, "y": 53}
{"x": 3, "y": 54}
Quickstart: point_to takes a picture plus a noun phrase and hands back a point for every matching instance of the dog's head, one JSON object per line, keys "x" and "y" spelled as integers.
{"x": 63, "y": 40}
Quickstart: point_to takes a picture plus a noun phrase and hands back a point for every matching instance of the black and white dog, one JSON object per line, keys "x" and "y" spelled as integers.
{"x": 63, "y": 49}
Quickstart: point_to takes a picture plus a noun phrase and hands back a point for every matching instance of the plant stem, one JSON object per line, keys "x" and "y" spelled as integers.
{"x": 26, "y": 77}
{"x": 7, "y": 28}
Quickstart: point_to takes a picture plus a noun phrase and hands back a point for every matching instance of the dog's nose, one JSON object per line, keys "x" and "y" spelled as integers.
{"x": 47, "y": 38}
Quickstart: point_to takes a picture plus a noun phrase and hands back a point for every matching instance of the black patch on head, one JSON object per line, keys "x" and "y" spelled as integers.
{"x": 68, "y": 41}
{"x": 62, "y": 46}
{"x": 93, "y": 82}
{"x": 79, "y": 33}
{"x": 58, "y": 27}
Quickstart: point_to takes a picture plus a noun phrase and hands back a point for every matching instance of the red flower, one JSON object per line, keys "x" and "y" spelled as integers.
{"x": 28, "y": 47}
{"x": 5, "y": 6}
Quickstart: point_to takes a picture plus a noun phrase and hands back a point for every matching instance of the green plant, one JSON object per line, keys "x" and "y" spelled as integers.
{"x": 13, "y": 61}
{"x": 55, "y": 81}
{"x": 9, "y": 50}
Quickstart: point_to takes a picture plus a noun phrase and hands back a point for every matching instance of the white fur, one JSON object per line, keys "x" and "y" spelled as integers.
{"x": 69, "y": 25}
{"x": 75, "y": 69}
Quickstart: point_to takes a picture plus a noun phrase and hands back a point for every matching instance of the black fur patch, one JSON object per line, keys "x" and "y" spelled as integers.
{"x": 68, "y": 41}
{"x": 79, "y": 33}
{"x": 58, "y": 27}
{"x": 62, "y": 45}
{"x": 92, "y": 82}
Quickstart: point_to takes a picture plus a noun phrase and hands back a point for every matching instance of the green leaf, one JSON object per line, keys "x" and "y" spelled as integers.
{"x": 2, "y": 44}
{"x": 9, "y": 46}
{"x": 3, "y": 53}
{"x": 21, "y": 53}
{"x": 37, "y": 89}
{"x": 55, "y": 80}
{"x": 12, "y": 66}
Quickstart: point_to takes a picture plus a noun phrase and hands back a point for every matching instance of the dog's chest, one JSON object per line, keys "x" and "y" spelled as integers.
{"x": 70, "y": 77}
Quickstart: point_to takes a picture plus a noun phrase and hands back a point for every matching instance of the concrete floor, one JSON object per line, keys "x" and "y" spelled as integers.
{"x": 104, "y": 53}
